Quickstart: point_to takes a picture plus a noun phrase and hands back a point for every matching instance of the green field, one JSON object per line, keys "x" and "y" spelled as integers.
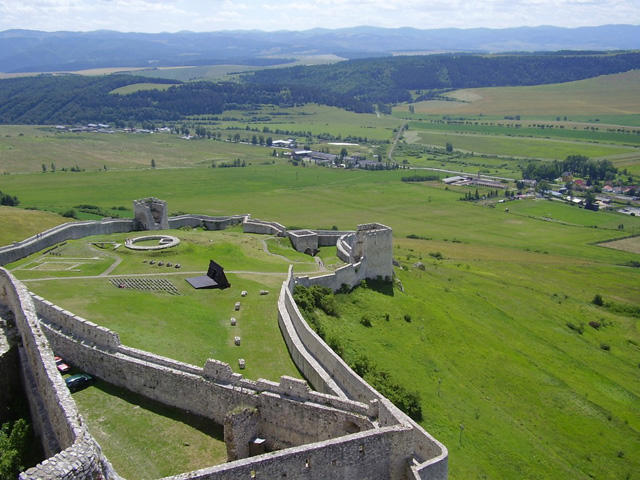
{"x": 491, "y": 327}
{"x": 605, "y": 95}
{"x": 136, "y": 87}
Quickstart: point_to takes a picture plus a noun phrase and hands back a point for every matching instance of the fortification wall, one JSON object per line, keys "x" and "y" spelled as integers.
{"x": 61, "y": 233}
{"x": 76, "y": 230}
{"x": 75, "y": 454}
{"x": 210, "y": 223}
{"x": 211, "y": 392}
{"x": 316, "y": 429}
{"x": 263, "y": 228}
{"x": 304, "y": 240}
{"x": 328, "y": 238}
{"x": 374, "y": 455}
{"x": 430, "y": 455}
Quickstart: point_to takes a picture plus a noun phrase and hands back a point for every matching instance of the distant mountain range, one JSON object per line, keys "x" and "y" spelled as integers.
{"x": 35, "y": 51}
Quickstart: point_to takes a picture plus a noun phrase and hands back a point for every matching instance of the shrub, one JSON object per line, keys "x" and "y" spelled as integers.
{"x": 594, "y": 324}
{"x": 405, "y": 400}
{"x": 71, "y": 213}
{"x": 605, "y": 347}
{"x": 361, "y": 365}
{"x": 13, "y": 442}
{"x": 365, "y": 320}
{"x": 575, "y": 328}
{"x": 436, "y": 255}
{"x": 597, "y": 300}
{"x": 407, "y": 318}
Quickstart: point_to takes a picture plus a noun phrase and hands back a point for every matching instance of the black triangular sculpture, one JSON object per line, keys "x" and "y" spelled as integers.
{"x": 215, "y": 278}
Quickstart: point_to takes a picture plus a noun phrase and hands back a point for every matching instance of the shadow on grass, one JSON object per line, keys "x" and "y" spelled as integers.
{"x": 204, "y": 425}
{"x": 380, "y": 286}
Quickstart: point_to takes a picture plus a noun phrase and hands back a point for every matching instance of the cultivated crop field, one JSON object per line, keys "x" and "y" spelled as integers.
{"x": 490, "y": 319}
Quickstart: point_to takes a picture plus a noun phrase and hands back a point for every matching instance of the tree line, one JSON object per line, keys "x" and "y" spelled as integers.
{"x": 576, "y": 165}
{"x": 362, "y": 86}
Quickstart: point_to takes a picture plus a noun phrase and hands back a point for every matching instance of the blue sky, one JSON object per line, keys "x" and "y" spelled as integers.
{"x": 270, "y": 15}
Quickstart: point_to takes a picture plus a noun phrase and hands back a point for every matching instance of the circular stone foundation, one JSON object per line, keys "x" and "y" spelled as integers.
{"x": 164, "y": 241}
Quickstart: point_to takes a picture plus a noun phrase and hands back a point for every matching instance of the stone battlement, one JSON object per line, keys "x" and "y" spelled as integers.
{"x": 342, "y": 429}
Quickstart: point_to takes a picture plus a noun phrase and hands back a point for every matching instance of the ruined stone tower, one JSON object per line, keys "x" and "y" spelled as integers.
{"x": 150, "y": 214}
{"x": 374, "y": 242}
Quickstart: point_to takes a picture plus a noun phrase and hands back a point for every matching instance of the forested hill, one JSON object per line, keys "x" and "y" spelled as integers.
{"x": 33, "y": 51}
{"x": 357, "y": 85}
{"x": 388, "y": 80}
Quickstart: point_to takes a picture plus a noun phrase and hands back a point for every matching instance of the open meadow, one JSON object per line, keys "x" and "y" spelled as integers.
{"x": 490, "y": 320}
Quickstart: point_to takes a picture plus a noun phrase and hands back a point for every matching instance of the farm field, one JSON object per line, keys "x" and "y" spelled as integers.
{"x": 29, "y": 148}
{"x": 605, "y": 95}
{"x": 518, "y": 147}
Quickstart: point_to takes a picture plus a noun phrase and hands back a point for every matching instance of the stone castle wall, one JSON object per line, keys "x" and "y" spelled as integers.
{"x": 326, "y": 371}
{"x": 209, "y": 223}
{"x": 74, "y": 454}
{"x": 308, "y": 425}
{"x": 322, "y": 435}
{"x": 252, "y": 225}
{"x": 62, "y": 233}
{"x": 304, "y": 241}
{"x": 76, "y": 230}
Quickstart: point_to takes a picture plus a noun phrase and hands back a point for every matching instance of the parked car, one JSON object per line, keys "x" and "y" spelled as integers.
{"x": 62, "y": 367}
{"x": 79, "y": 381}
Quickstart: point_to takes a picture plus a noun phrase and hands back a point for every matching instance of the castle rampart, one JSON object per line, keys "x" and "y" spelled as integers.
{"x": 74, "y": 454}
{"x": 76, "y": 230}
{"x": 62, "y": 233}
{"x": 431, "y": 457}
{"x": 350, "y": 431}
{"x": 252, "y": 225}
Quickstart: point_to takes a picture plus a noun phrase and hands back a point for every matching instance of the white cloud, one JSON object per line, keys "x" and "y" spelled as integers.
{"x": 207, "y": 15}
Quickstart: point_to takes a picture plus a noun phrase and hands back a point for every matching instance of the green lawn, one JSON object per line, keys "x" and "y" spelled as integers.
{"x": 145, "y": 439}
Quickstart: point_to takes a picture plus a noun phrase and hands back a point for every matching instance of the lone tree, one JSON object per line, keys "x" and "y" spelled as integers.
{"x": 449, "y": 147}
{"x": 153, "y": 163}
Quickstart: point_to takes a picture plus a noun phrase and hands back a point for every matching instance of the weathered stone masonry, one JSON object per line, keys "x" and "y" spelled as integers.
{"x": 349, "y": 431}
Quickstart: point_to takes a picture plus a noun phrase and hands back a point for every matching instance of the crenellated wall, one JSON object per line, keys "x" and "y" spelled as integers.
{"x": 301, "y": 425}
{"x": 344, "y": 430}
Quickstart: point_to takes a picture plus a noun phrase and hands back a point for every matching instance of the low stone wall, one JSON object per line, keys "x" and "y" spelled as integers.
{"x": 75, "y": 454}
{"x": 263, "y": 228}
{"x": 328, "y": 238}
{"x": 304, "y": 241}
{"x": 210, "y": 223}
